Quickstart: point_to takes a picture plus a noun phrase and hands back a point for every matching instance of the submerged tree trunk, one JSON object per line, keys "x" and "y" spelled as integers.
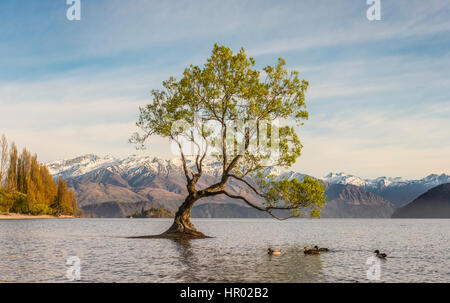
{"x": 182, "y": 226}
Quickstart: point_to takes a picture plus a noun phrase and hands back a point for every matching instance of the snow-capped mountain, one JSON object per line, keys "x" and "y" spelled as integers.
{"x": 144, "y": 178}
{"x": 134, "y": 164}
{"x": 79, "y": 166}
{"x": 380, "y": 182}
{"x": 131, "y": 165}
{"x": 133, "y": 179}
{"x": 397, "y": 190}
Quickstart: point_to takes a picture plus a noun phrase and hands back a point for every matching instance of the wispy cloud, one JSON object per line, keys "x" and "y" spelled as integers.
{"x": 378, "y": 98}
{"x": 344, "y": 23}
{"x": 405, "y": 143}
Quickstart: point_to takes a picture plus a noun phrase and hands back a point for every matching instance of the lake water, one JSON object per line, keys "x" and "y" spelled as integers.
{"x": 37, "y": 250}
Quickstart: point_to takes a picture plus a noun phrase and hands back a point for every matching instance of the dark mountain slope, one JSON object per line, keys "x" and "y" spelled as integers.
{"x": 435, "y": 203}
{"x": 115, "y": 209}
{"x": 344, "y": 201}
{"x": 221, "y": 210}
{"x": 349, "y": 201}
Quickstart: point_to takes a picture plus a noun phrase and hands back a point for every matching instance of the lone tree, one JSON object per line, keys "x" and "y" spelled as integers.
{"x": 244, "y": 119}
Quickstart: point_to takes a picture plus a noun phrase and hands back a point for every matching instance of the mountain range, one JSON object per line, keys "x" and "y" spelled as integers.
{"x": 138, "y": 179}
{"x": 396, "y": 190}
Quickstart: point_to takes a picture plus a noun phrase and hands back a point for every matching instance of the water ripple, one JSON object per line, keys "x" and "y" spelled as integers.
{"x": 37, "y": 250}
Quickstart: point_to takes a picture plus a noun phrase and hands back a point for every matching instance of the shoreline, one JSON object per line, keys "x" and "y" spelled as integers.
{"x": 17, "y": 216}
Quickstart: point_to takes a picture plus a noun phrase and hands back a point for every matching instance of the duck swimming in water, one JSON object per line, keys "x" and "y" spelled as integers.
{"x": 321, "y": 248}
{"x": 271, "y": 251}
{"x": 311, "y": 251}
{"x": 380, "y": 255}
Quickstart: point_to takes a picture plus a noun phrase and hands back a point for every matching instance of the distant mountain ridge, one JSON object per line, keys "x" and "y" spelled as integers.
{"x": 350, "y": 201}
{"x": 342, "y": 178}
{"x": 88, "y": 163}
{"x": 435, "y": 203}
{"x": 397, "y": 190}
{"x": 142, "y": 178}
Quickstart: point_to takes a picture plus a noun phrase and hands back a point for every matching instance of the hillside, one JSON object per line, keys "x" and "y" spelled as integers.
{"x": 350, "y": 201}
{"x": 344, "y": 201}
{"x": 161, "y": 182}
{"x": 114, "y": 209}
{"x": 220, "y": 210}
{"x": 396, "y": 190}
{"x": 435, "y": 203}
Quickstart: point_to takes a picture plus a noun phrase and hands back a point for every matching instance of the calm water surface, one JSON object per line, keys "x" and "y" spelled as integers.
{"x": 37, "y": 250}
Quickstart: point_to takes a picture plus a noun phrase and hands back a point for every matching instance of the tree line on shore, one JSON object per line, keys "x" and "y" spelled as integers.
{"x": 27, "y": 187}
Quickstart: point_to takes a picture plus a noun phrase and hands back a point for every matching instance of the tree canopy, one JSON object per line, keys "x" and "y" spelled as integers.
{"x": 243, "y": 117}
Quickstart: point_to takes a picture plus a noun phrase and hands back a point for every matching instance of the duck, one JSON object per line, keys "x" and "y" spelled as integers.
{"x": 321, "y": 248}
{"x": 380, "y": 255}
{"x": 311, "y": 251}
{"x": 271, "y": 251}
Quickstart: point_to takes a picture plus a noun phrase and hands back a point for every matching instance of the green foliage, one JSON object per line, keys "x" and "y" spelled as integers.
{"x": 227, "y": 89}
{"x": 20, "y": 203}
{"x": 41, "y": 209}
{"x": 229, "y": 93}
{"x": 61, "y": 209}
{"x": 293, "y": 194}
{"x": 7, "y": 200}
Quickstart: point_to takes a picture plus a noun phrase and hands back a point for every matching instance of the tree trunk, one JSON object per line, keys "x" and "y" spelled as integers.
{"x": 182, "y": 226}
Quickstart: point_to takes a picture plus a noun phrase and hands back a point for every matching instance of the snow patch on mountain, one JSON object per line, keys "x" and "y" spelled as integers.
{"x": 131, "y": 165}
{"x": 135, "y": 165}
{"x": 380, "y": 182}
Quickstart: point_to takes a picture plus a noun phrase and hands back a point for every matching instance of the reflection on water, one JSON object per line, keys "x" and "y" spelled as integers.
{"x": 36, "y": 250}
{"x": 243, "y": 266}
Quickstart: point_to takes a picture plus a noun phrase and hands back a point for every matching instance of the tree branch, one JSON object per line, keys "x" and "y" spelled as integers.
{"x": 248, "y": 184}
{"x": 183, "y": 159}
{"x": 265, "y": 209}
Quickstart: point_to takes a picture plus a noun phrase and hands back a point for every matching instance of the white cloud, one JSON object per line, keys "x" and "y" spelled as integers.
{"x": 400, "y": 19}
{"x": 379, "y": 142}
{"x": 93, "y": 109}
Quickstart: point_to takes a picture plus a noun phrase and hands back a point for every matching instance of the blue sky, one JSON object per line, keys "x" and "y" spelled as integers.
{"x": 379, "y": 96}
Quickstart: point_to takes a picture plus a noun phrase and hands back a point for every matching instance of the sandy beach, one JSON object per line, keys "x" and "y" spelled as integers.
{"x": 15, "y": 216}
